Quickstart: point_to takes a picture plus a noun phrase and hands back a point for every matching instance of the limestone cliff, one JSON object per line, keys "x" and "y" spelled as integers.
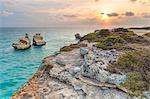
{"x": 78, "y": 74}
{"x": 82, "y": 71}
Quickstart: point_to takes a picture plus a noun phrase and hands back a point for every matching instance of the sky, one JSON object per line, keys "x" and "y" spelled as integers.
{"x": 59, "y": 13}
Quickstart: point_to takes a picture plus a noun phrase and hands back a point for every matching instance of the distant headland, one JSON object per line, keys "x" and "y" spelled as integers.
{"x": 140, "y": 28}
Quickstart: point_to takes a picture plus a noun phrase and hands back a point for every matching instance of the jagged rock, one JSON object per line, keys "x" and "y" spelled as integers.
{"x": 74, "y": 77}
{"x": 23, "y": 43}
{"x": 60, "y": 62}
{"x": 117, "y": 79}
{"x": 147, "y": 94}
{"x": 76, "y": 70}
{"x": 56, "y": 53}
{"x": 38, "y": 40}
{"x": 95, "y": 63}
{"x": 78, "y": 36}
{"x": 83, "y": 51}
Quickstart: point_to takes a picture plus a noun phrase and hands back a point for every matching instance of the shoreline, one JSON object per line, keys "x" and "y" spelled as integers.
{"x": 68, "y": 71}
{"x": 33, "y": 84}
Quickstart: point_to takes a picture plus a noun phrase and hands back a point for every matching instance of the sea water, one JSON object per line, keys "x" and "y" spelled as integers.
{"x": 17, "y": 66}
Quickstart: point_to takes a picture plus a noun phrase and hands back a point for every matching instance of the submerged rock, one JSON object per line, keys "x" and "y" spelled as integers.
{"x": 23, "y": 43}
{"x": 38, "y": 40}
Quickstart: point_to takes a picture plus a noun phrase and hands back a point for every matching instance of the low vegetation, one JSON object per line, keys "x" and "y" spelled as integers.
{"x": 104, "y": 33}
{"x": 137, "y": 66}
{"x": 71, "y": 47}
{"x": 110, "y": 42}
{"x": 91, "y": 37}
{"x": 135, "y": 62}
{"x": 114, "y": 39}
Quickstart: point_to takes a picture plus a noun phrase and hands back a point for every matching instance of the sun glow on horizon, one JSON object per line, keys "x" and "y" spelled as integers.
{"x": 104, "y": 20}
{"x": 105, "y": 17}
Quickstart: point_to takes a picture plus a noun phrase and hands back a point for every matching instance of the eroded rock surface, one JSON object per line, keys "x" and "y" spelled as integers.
{"x": 38, "y": 40}
{"x": 23, "y": 43}
{"x": 77, "y": 74}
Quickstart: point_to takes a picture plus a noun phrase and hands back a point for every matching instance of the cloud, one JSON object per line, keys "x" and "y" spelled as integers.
{"x": 102, "y": 13}
{"x": 144, "y": 2}
{"x": 114, "y": 14}
{"x": 96, "y": 0}
{"x": 71, "y": 16}
{"x": 129, "y": 14}
{"x": 9, "y": 2}
{"x": 5, "y": 13}
{"x": 133, "y": 0}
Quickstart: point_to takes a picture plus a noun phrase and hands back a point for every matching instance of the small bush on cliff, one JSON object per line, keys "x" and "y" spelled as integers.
{"x": 72, "y": 47}
{"x": 110, "y": 42}
{"x": 131, "y": 37}
{"x": 137, "y": 65}
{"x": 91, "y": 37}
{"x": 97, "y": 35}
{"x": 134, "y": 82}
{"x": 104, "y": 33}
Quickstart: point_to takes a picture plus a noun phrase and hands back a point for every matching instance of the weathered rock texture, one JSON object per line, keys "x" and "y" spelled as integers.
{"x": 23, "y": 43}
{"x": 38, "y": 40}
{"x": 77, "y": 74}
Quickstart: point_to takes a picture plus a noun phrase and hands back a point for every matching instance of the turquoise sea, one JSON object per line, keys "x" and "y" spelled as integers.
{"x": 16, "y": 67}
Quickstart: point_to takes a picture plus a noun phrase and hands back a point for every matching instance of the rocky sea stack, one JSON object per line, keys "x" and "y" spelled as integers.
{"x": 23, "y": 43}
{"x": 103, "y": 65}
{"x": 38, "y": 40}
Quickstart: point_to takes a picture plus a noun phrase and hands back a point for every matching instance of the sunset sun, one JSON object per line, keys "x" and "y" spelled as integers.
{"x": 105, "y": 17}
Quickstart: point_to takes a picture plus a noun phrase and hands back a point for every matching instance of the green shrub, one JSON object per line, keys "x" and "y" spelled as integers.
{"x": 110, "y": 42}
{"x": 69, "y": 48}
{"x": 104, "y": 33}
{"x": 131, "y": 37}
{"x": 134, "y": 82}
{"x": 137, "y": 65}
{"x": 91, "y": 37}
{"x": 97, "y": 36}
{"x": 127, "y": 61}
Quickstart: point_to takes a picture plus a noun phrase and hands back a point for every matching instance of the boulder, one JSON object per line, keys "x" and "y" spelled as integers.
{"x": 77, "y": 69}
{"x": 83, "y": 51}
{"x": 78, "y": 36}
{"x": 147, "y": 94}
{"x": 38, "y": 40}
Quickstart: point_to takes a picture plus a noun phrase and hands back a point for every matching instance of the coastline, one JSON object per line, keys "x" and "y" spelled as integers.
{"x": 36, "y": 85}
{"x": 66, "y": 74}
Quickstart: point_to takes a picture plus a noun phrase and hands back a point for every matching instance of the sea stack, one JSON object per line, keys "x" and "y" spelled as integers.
{"x": 23, "y": 43}
{"x": 38, "y": 40}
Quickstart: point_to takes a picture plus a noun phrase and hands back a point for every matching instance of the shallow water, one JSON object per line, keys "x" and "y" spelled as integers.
{"x": 16, "y": 67}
